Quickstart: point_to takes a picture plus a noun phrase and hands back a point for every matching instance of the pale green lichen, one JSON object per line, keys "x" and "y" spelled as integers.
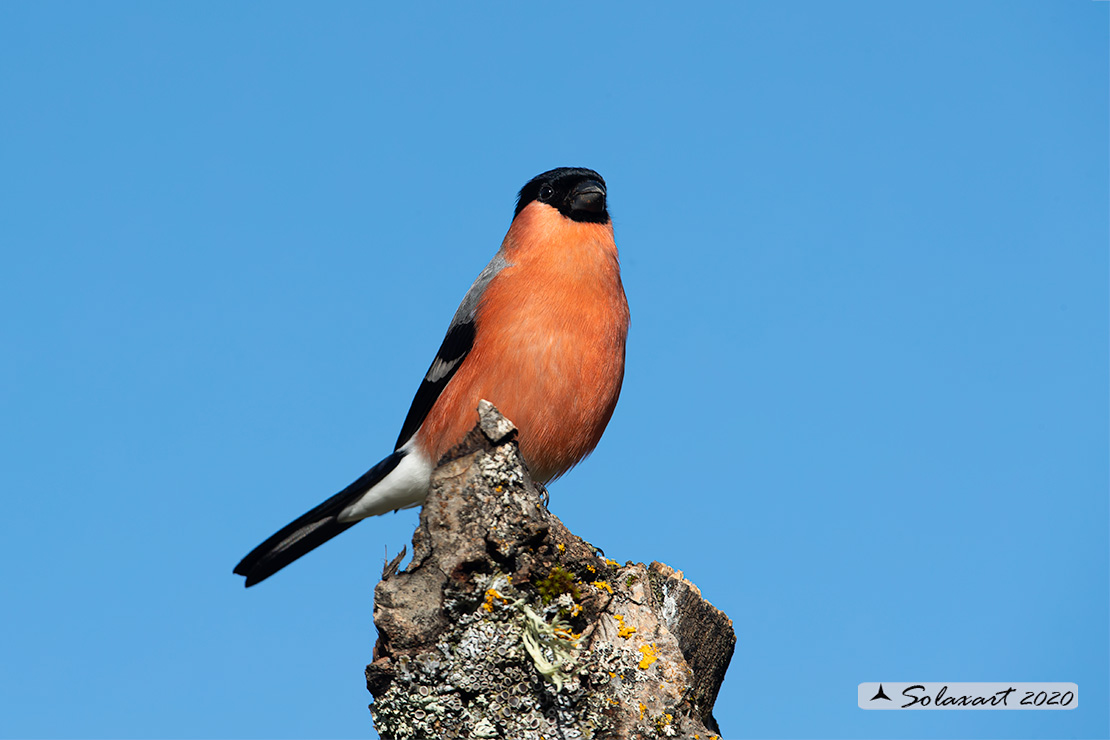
{"x": 515, "y": 669}
{"x": 554, "y": 638}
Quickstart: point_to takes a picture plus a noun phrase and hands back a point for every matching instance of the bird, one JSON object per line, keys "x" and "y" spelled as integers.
{"x": 540, "y": 334}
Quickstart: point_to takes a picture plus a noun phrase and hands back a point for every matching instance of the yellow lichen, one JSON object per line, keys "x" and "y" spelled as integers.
{"x": 591, "y": 568}
{"x": 613, "y": 563}
{"x": 603, "y": 586}
{"x": 623, "y": 631}
{"x": 662, "y": 723}
{"x": 492, "y": 594}
{"x": 566, "y": 633}
{"x": 650, "y": 656}
{"x": 642, "y": 710}
{"x": 561, "y": 547}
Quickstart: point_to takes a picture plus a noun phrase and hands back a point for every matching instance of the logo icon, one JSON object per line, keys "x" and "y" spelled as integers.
{"x": 881, "y": 695}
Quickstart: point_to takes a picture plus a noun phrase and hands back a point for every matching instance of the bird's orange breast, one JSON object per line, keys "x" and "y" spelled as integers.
{"x": 549, "y": 344}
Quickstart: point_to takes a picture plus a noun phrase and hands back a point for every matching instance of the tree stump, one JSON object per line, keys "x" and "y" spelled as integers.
{"x": 506, "y": 625}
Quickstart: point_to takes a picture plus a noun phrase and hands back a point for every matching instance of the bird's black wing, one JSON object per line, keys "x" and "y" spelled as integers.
{"x": 452, "y": 353}
{"x": 456, "y": 346}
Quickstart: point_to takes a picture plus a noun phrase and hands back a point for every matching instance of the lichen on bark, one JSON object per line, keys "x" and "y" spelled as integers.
{"x": 506, "y": 625}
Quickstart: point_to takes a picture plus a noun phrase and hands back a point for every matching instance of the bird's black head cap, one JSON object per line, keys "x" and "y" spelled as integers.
{"x": 577, "y": 192}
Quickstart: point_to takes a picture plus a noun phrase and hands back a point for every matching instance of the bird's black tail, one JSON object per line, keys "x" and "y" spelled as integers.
{"x": 312, "y": 529}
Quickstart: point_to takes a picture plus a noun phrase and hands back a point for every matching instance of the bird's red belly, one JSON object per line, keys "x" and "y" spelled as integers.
{"x": 555, "y": 370}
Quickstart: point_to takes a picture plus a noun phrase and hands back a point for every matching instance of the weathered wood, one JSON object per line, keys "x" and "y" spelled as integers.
{"x": 507, "y": 625}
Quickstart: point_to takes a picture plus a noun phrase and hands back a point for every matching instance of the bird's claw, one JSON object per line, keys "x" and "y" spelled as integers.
{"x": 597, "y": 550}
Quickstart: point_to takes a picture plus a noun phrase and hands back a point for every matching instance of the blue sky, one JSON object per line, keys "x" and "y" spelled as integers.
{"x": 865, "y": 410}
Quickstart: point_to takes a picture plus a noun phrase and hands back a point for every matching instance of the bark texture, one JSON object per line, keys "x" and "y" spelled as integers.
{"x": 506, "y": 625}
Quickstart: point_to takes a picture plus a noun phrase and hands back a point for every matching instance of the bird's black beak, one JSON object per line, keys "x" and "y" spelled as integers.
{"x": 588, "y": 195}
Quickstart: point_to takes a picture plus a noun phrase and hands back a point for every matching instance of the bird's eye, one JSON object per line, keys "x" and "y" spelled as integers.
{"x": 546, "y": 191}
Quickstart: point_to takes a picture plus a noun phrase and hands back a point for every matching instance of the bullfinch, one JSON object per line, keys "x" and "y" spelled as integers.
{"x": 540, "y": 334}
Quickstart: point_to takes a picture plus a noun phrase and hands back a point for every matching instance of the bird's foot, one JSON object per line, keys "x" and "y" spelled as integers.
{"x": 597, "y": 550}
